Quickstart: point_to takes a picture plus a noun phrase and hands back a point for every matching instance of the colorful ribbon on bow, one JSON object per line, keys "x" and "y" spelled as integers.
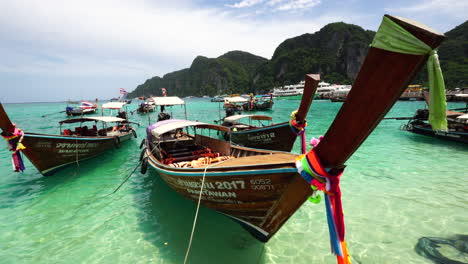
{"x": 311, "y": 169}
{"x": 15, "y": 146}
{"x": 298, "y": 128}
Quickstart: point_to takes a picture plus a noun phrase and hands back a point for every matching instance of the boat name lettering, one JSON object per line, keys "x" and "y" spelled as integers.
{"x": 230, "y": 185}
{"x": 443, "y": 133}
{"x": 260, "y": 181}
{"x": 76, "y": 145}
{"x": 261, "y": 184}
{"x": 43, "y": 144}
{"x": 262, "y": 137}
{"x": 220, "y": 185}
{"x": 214, "y": 193}
{"x": 262, "y": 187}
{"x": 73, "y": 151}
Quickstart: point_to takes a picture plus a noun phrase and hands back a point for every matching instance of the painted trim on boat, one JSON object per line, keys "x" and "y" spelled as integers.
{"x": 73, "y": 138}
{"x": 261, "y": 231}
{"x": 448, "y": 132}
{"x": 260, "y": 129}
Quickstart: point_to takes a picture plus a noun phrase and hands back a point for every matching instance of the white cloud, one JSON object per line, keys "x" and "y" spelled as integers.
{"x": 298, "y": 4}
{"x": 127, "y": 38}
{"x": 140, "y": 37}
{"x": 245, "y": 3}
{"x": 274, "y": 2}
{"x": 429, "y": 8}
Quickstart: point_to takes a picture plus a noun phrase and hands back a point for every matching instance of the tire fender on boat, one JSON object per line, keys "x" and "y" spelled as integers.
{"x": 142, "y": 154}
{"x": 144, "y": 165}
{"x": 142, "y": 142}
{"x": 134, "y": 133}
{"x": 117, "y": 141}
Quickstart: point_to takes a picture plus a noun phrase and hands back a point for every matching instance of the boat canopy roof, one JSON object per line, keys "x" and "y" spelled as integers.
{"x": 168, "y": 100}
{"x": 463, "y": 117}
{"x": 159, "y": 128}
{"x": 235, "y": 99}
{"x": 113, "y": 105}
{"x": 234, "y": 118}
{"x": 95, "y": 118}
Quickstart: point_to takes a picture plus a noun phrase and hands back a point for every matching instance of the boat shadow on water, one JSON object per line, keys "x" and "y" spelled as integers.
{"x": 166, "y": 219}
{"x": 30, "y": 188}
{"x": 437, "y": 249}
{"x": 430, "y": 141}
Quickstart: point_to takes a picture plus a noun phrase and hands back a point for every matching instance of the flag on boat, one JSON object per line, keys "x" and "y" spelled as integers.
{"x": 86, "y": 104}
{"x": 123, "y": 91}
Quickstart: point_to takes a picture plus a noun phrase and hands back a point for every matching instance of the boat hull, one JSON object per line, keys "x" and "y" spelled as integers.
{"x": 145, "y": 109}
{"x": 289, "y": 97}
{"x": 258, "y": 106}
{"x": 261, "y": 198}
{"x": 79, "y": 112}
{"x": 48, "y": 153}
{"x": 276, "y": 137}
{"x": 445, "y": 135}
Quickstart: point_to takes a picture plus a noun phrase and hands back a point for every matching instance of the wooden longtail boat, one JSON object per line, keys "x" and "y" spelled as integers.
{"x": 48, "y": 153}
{"x": 259, "y": 103}
{"x": 146, "y": 107}
{"x": 168, "y": 101}
{"x": 234, "y": 103}
{"x": 261, "y": 189}
{"x": 272, "y": 137}
{"x": 457, "y": 126}
{"x": 85, "y": 108}
{"x": 280, "y": 136}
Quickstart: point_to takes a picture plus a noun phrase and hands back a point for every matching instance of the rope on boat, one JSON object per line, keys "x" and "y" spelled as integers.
{"x": 196, "y": 215}
{"x": 126, "y": 179}
{"x": 196, "y": 212}
{"x": 133, "y": 171}
{"x": 76, "y": 154}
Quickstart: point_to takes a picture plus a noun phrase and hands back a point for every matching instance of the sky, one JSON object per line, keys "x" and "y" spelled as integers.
{"x": 55, "y": 50}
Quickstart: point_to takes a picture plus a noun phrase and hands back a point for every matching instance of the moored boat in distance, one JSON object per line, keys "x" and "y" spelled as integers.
{"x": 457, "y": 126}
{"x": 234, "y": 103}
{"x": 48, "y": 153}
{"x": 261, "y": 102}
{"x": 85, "y": 108}
{"x": 146, "y": 106}
{"x": 168, "y": 101}
{"x": 218, "y": 98}
{"x": 279, "y": 136}
{"x": 414, "y": 92}
{"x": 292, "y": 91}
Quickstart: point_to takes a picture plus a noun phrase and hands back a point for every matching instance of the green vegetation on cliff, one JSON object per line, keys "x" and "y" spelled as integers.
{"x": 229, "y": 73}
{"x": 336, "y": 52}
{"x": 453, "y": 55}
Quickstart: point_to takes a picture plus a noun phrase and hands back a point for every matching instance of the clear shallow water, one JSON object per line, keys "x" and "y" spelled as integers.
{"x": 397, "y": 188}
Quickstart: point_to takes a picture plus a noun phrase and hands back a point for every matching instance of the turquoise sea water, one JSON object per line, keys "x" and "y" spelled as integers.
{"x": 398, "y": 187}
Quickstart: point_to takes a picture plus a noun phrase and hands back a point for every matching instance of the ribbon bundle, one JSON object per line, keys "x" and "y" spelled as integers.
{"x": 15, "y": 146}
{"x": 311, "y": 169}
{"x": 298, "y": 128}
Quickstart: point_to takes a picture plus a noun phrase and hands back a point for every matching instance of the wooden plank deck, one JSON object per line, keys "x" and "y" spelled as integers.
{"x": 279, "y": 158}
